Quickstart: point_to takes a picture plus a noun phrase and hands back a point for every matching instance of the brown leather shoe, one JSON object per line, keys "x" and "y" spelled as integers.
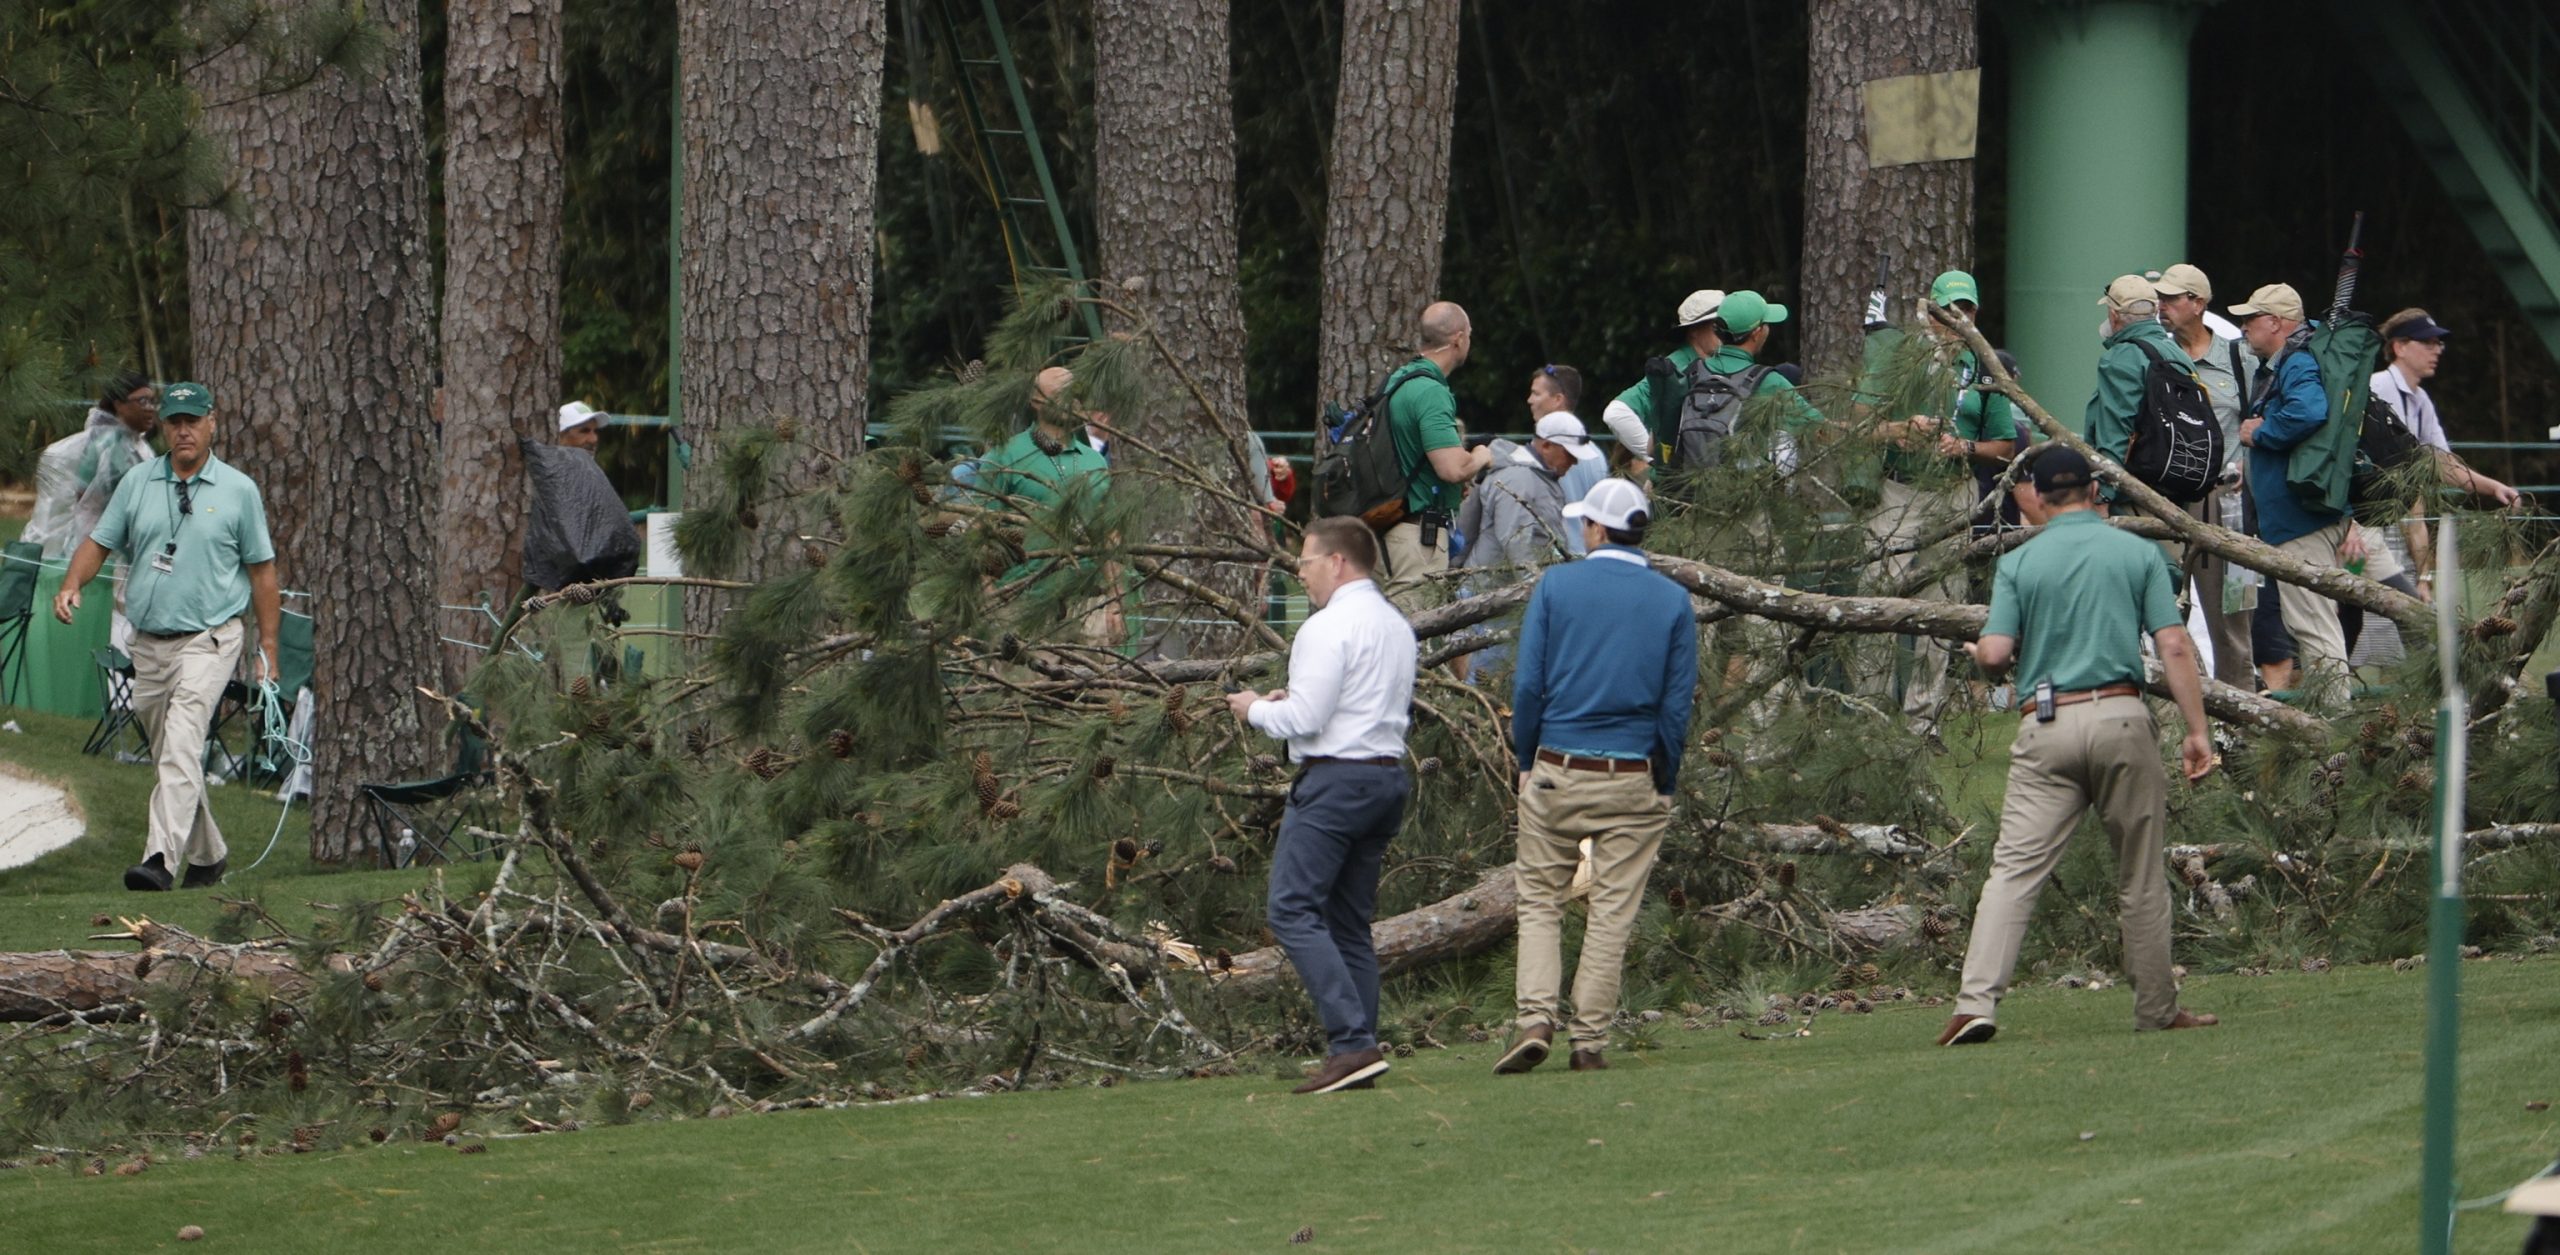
{"x": 2191, "y": 1019}
{"x": 1529, "y": 1050}
{"x": 1343, "y": 1071}
{"x": 1589, "y": 1061}
{"x": 1967, "y": 1030}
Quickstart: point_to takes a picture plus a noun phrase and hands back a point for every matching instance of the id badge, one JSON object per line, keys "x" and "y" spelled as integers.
{"x": 164, "y": 562}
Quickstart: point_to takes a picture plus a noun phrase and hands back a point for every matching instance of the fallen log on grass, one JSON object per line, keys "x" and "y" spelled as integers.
{"x": 108, "y": 984}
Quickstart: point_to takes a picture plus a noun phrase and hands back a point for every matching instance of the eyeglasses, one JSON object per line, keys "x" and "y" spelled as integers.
{"x": 186, "y": 497}
{"x": 146, "y": 399}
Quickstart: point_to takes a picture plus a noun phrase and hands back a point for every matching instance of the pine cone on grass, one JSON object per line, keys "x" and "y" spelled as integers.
{"x": 982, "y": 770}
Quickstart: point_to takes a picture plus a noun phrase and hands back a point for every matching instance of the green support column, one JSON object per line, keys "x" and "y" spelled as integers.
{"x": 2097, "y": 176}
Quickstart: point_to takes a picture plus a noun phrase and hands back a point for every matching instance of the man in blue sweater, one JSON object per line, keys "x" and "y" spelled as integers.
{"x": 1599, "y": 712}
{"x": 2292, "y": 407}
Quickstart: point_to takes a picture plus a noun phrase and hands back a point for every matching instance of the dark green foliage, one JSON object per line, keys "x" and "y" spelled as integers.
{"x": 107, "y": 161}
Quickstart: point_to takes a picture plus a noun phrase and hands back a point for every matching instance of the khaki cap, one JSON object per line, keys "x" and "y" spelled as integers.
{"x": 2131, "y": 294}
{"x": 1700, "y": 306}
{"x": 2184, "y": 280}
{"x": 2278, "y": 299}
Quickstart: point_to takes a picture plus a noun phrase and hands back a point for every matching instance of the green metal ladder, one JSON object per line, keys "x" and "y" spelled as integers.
{"x": 2482, "y": 79}
{"x": 1000, "y": 146}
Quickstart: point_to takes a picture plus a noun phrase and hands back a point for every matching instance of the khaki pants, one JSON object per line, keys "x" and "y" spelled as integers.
{"x": 176, "y": 684}
{"x": 2103, "y": 753}
{"x": 1906, "y": 514}
{"x": 2228, "y": 624}
{"x": 1625, "y": 820}
{"x": 2319, "y": 644}
{"x": 1410, "y": 568}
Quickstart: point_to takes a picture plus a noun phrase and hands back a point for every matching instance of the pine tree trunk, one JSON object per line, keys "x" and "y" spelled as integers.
{"x": 1387, "y": 199}
{"x": 311, "y": 328}
{"x": 781, "y": 106}
{"x": 1922, "y": 213}
{"x": 502, "y": 190}
{"x": 1165, "y": 193}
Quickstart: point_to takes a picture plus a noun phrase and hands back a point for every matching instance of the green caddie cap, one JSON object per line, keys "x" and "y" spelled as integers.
{"x": 1746, "y": 310}
{"x": 1954, "y": 286}
{"x": 182, "y": 400}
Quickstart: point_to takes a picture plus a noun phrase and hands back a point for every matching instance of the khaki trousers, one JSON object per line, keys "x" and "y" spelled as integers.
{"x": 1625, "y": 820}
{"x": 2229, "y": 625}
{"x": 2319, "y": 644}
{"x": 176, "y": 684}
{"x": 1905, "y": 515}
{"x": 2103, "y": 753}
{"x": 1410, "y": 568}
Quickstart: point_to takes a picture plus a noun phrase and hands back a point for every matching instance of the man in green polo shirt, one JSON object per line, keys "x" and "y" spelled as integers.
{"x": 1422, "y": 416}
{"x": 1929, "y": 473}
{"x": 193, "y": 535}
{"x": 1742, "y": 326}
{"x": 2070, "y": 608}
{"x": 1641, "y": 417}
{"x": 1045, "y": 467}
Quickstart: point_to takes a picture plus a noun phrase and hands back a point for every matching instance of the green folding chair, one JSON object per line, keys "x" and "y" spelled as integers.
{"x": 421, "y": 821}
{"x": 117, "y": 724}
{"x": 252, "y": 762}
{"x": 20, "y": 562}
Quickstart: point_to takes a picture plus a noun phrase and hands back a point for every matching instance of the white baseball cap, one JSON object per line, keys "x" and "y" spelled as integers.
{"x": 1700, "y": 306}
{"x": 579, "y": 414}
{"x": 1610, "y": 503}
{"x": 1567, "y": 430}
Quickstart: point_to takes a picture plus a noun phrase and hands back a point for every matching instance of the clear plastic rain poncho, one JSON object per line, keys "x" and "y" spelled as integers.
{"x": 74, "y": 479}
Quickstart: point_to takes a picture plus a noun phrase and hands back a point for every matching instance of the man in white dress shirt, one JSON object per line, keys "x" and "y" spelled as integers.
{"x": 1344, "y": 716}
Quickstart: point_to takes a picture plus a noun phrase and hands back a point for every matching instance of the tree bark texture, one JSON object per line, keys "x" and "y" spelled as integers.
{"x": 503, "y": 186}
{"x": 312, "y": 330}
{"x": 1165, "y": 195}
{"x": 1387, "y": 196}
{"x": 781, "y": 103}
{"x": 103, "y": 984}
{"x": 1922, "y": 214}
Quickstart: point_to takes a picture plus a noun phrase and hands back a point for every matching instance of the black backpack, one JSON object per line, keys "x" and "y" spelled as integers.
{"x": 2383, "y": 447}
{"x": 2176, "y": 446}
{"x": 1710, "y": 406}
{"x": 1357, "y": 471}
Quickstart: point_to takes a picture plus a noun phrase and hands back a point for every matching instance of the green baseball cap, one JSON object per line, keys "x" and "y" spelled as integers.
{"x": 1747, "y": 310}
{"x": 1954, "y": 286}
{"x": 184, "y": 400}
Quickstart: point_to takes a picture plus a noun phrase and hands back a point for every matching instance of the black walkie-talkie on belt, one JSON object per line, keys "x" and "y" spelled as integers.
{"x": 2044, "y": 700}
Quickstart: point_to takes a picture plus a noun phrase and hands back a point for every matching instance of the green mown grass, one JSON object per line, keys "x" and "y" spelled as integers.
{"x": 49, "y": 903}
{"x": 2292, "y": 1128}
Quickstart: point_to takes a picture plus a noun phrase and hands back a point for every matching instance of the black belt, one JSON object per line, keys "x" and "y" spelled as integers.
{"x": 165, "y": 636}
{"x": 1387, "y": 761}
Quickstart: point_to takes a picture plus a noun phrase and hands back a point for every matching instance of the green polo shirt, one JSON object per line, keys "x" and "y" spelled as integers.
{"x": 1423, "y": 416}
{"x": 1794, "y": 414}
{"x": 221, "y": 534}
{"x": 1639, "y": 395}
{"x": 1970, "y": 413}
{"x": 1042, "y": 479}
{"x": 2078, "y": 599}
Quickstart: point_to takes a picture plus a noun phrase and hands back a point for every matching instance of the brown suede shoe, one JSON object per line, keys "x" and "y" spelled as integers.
{"x": 1589, "y": 1061}
{"x": 1967, "y": 1030}
{"x": 1342, "y": 1071}
{"x": 2191, "y": 1019}
{"x": 1532, "y": 1047}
